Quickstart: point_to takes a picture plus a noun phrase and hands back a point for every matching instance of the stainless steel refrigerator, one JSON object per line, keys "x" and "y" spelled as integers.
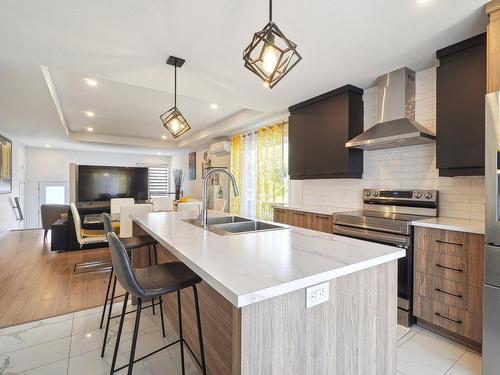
{"x": 491, "y": 323}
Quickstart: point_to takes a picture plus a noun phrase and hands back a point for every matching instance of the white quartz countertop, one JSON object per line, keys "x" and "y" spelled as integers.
{"x": 313, "y": 209}
{"x": 248, "y": 268}
{"x": 449, "y": 223}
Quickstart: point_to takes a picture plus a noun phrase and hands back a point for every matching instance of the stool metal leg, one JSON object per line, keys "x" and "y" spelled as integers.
{"x": 119, "y": 334}
{"x": 156, "y": 254}
{"x": 161, "y": 316}
{"x": 134, "y": 338}
{"x": 106, "y": 299}
{"x": 150, "y": 264}
{"x": 109, "y": 318}
{"x": 181, "y": 337}
{"x": 200, "y": 335}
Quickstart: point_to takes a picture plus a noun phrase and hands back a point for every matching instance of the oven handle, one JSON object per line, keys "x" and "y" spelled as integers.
{"x": 388, "y": 238}
{"x": 339, "y": 221}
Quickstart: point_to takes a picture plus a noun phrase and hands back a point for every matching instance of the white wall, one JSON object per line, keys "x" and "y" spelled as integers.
{"x": 52, "y": 165}
{"x": 405, "y": 168}
{"x": 7, "y": 217}
{"x": 193, "y": 188}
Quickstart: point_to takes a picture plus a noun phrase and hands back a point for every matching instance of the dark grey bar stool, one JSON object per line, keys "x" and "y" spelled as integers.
{"x": 132, "y": 243}
{"x": 153, "y": 282}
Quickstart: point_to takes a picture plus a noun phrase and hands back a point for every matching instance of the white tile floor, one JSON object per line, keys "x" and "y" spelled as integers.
{"x": 70, "y": 344}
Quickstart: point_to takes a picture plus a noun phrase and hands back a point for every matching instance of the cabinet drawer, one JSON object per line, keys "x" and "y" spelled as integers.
{"x": 321, "y": 223}
{"x": 281, "y": 216}
{"x": 448, "y": 242}
{"x": 452, "y": 318}
{"x": 455, "y": 268}
{"x": 300, "y": 219}
{"x": 449, "y": 292}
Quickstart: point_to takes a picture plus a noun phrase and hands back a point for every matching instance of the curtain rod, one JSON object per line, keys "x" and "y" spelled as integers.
{"x": 262, "y": 127}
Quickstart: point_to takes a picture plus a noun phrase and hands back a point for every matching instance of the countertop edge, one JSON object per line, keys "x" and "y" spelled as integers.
{"x": 451, "y": 227}
{"x": 254, "y": 297}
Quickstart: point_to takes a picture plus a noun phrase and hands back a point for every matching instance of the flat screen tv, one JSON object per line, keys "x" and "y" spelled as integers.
{"x": 100, "y": 183}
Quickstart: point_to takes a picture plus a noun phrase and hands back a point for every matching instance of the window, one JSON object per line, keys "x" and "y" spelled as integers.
{"x": 158, "y": 181}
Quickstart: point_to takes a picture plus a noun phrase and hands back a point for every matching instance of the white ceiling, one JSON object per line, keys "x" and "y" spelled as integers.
{"x": 124, "y": 45}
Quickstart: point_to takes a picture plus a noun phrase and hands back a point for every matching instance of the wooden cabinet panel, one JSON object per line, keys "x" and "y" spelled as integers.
{"x": 300, "y": 219}
{"x": 281, "y": 216}
{"x": 318, "y": 131}
{"x": 460, "y": 102}
{"x": 450, "y": 242}
{"x": 451, "y": 318}
{"x": 322, "y": 223}
{"x": 449, "y": 292}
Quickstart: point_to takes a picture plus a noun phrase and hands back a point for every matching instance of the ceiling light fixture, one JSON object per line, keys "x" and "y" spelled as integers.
{"x": 48, "y": 146}
{"x": 214, "y": 106}
{"x": 173, "y": 119}
{"x": 89, "y": 128}
{"x": 271, "y": 55}
{"x": 90, "y": 82}
{"x": 89, "y": 113}
{"x": 163, "y": 137}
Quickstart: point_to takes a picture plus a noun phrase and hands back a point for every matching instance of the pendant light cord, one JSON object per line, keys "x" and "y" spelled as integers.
{"x": 270, "y": 10}
{"x": 175, "y": 85}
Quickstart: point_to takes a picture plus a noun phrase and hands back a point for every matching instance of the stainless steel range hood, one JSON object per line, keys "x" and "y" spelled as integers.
{"x": 396, "y": 126}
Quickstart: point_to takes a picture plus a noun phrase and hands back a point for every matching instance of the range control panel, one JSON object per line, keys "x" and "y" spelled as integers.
{"x": 400, "y": 195}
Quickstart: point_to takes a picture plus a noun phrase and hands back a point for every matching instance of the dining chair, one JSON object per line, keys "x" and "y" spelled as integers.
{"x": 220, "y": 204}
{"x": 189, "y": 206}
{"x": 162, "y": 204}
{"x": 116, "y": 204}
{"x": 126, "y": 220}
{"x": 85, "y": 236}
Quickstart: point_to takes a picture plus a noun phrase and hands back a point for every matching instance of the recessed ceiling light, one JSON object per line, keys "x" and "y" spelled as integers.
{"x": 89, "y": 113}
{"x": 214, "y": 106}
{"x": 163, "y": 137}
{"x": 423, "y": 1}
{"x": 158, "y": 153}
{"x": 89, "y": 128}
{"x": 48, "y": 146}
{"x": 90, "y": 81}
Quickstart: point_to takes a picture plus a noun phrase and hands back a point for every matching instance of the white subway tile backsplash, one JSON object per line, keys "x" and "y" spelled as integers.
{"x": 411, "y": 167}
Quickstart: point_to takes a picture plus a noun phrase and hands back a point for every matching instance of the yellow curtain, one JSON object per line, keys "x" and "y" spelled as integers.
{"x": 236, "y": 166}
{"x": 272, "y": 169}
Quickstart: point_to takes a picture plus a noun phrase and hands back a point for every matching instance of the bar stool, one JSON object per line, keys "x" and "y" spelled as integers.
{"x": 153, "y": 282}
{"x": 132, "y": 243}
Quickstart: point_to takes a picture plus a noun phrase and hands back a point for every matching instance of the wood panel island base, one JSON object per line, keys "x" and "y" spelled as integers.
{"x": 253, "y": 299}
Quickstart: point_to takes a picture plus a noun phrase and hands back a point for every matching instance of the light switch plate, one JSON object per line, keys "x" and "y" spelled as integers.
{"x": 317, "y": 294}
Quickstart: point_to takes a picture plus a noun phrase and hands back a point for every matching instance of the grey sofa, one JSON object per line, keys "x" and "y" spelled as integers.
{"x": 50, "y": 213}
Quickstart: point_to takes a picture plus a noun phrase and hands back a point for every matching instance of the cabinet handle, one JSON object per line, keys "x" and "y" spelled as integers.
{"x": 447, "y": 318}
{"x": 322, "y": 217}
{"x": 449, "y": 293}
{"x": 450, "y": 243}
{"x": 299, "y": 213}
{"x": 449, "y": 268}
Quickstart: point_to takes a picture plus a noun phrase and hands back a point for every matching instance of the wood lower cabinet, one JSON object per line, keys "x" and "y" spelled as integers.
{"x": 448, "y": 281}
{"x": 308, "y": 220}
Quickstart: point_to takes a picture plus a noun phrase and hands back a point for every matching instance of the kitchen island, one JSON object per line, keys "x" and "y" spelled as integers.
{"x": 253, "y": 298}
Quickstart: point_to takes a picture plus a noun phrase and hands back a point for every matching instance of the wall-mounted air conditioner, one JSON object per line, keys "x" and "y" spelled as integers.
{"x": 219, "y": 148}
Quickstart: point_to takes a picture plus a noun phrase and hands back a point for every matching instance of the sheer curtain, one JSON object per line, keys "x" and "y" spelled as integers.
{"x": 259, "y": 162}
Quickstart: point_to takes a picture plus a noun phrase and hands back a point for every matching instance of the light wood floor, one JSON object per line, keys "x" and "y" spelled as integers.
{"x": 36, "y": 283}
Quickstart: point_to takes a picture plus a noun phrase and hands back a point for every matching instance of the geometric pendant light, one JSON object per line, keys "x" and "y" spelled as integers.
{"x": 271, "y": 55}
{"x": 173, "y": 119}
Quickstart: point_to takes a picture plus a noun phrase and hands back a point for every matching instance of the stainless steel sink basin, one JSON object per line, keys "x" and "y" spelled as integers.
{"x": 229, "y": 225}
{"x": 243, "y": 227}
{"x": 218, "y": 220}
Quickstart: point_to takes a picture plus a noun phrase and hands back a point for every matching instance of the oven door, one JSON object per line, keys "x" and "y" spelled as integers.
{"x": 492, "y": 168}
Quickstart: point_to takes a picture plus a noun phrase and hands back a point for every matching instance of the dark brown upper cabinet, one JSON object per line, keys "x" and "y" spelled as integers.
{"x": 318, "y": 130}
{"x": 460, "y": 105}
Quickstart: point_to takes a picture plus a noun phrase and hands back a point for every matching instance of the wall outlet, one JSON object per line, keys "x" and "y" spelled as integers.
{"x": 317, "y": 294}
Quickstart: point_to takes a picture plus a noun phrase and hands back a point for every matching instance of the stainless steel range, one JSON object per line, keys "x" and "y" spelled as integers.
{"x": 386, "y": 218}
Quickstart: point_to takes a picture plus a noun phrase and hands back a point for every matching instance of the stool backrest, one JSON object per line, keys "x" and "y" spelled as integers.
{"x": 220, "y": 204}
{"x": 162, "y": 204}
{"x": 126, "y": 221}
{"x": 122, "y": 267}
{"x": 106, "y": 220}
{"x": 189, "y": 206}
{"x": 117, "y": 203}
{"x": 77, "y": 221}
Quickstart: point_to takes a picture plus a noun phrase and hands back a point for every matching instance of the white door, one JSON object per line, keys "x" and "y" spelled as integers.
{"x": 52, "y": 193}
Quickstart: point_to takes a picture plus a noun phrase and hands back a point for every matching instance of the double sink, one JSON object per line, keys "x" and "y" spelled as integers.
{"x": 230, "y": 225}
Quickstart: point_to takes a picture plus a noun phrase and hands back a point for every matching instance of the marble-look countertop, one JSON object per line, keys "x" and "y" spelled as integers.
{"x": 313, "y": 209}
{"x": 449, "y": 223}
{"x": 252, "y": 267}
